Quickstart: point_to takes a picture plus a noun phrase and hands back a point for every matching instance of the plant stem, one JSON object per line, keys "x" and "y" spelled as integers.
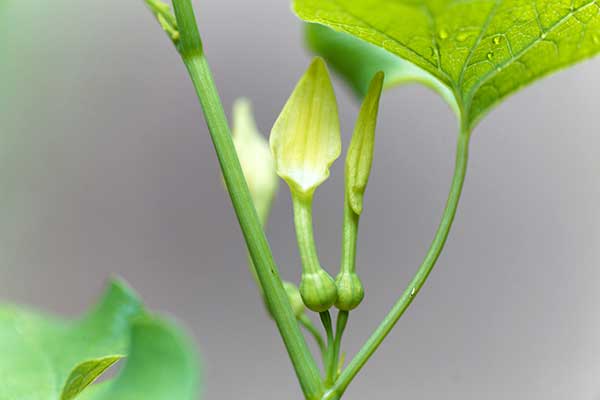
{"x": 326, "y": 320}
{"x": 419, "y": 279}
{"x": 340, "y": 326}
{"x": 350, "y": 233}
{"x": 304, "y": 233}
{"x": 312, "y": 329}
{"x": 190, "y": 48}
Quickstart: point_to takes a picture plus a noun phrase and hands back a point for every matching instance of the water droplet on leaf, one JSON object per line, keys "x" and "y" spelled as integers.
{"x": 443, "y": 34}
{"x": 497, "y": 40}
{"x": 490, "y": 55}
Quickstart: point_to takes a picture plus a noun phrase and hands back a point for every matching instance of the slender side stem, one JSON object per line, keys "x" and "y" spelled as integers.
{"x": 340, "y": 326}
{"x": 419, "y": 279}
{"x": 326, "y": 320}
{"x": 312, "y": 329}
{"x": 190, "y": 48}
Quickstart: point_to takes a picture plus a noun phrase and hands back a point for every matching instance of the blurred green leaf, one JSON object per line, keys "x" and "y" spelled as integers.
{"x": 46, "y": 358}
{"x": 160, "y": 366}
{"x": 357, "y": 61}
{"x": 481, "y": 50}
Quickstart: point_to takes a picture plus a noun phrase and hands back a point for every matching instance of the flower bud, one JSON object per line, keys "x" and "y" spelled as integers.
{"x": 165, "y": 18}
{"x": 318, "y": 290}
{"x": 295, "y": 298}
{"x": 350, "y": 291}
{"x": 255, "y": 158}
{"x": 360, "y": 151}
{"x": 305, "y": 139}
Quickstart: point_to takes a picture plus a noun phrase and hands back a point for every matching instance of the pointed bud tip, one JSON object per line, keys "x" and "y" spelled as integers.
{"x": 255, "y": 158}
{"x": 305, "y": 139}
{"x": 360, "y": 153}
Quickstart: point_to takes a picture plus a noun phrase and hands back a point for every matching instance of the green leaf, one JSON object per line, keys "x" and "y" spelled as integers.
{"x": 160, "y": 366}
{"x": 46, "y": 358}
{"x": 480, "y": 50}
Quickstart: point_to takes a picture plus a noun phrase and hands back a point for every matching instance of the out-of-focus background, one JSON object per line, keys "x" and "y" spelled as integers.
{"x": 106, "y": 167}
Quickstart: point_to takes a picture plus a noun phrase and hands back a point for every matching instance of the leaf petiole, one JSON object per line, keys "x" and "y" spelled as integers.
{"x": 460, "y": 169}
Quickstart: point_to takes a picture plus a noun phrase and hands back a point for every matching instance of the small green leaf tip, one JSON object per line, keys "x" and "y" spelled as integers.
{"x": 305, "y": 139}
{"x": 295, "y": 298}
{"x": 318, "y": 290}
{"x": 165, "y": 18}
{"x": 350, "y": 291}
{"x": 360, "y": 152}
{"x": 255, "y": 158}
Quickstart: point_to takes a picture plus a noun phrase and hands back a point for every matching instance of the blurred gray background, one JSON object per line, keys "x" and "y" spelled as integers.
{"x": 107, "y": 168}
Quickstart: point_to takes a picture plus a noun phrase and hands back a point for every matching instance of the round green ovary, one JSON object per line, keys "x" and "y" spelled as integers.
{"x": 318, "y": 290}
{"x": 350, "y": 291}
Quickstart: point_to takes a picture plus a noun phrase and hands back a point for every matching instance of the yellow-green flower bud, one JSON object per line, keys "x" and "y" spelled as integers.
{"x": 350, "y": 291}
{"x": 305, "y": 139}
{"x": 295, "y": 298}
{"x": 318, "y": 290}
{"x": 360, "y": 151}
{"x": 255, "y": 158}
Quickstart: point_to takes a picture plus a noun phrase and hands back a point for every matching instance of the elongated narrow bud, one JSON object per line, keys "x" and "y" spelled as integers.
{"x": 358, "y": 167}
{"x": 255, "y": 158}
{"x": 360, "y": 152}
{"x": 165, "y": 18}
{"x": 305, "y": 141}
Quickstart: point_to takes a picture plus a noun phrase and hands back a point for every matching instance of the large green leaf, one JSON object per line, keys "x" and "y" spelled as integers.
{"x": 45, "y": 358}
{"x": 481, "y": 50}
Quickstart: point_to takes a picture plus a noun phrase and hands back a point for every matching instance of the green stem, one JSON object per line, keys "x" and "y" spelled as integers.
{"x": 419, "y": 279}
{"x": 340, "y": 326}
{"x": 304, "y": 233}
{"x": 190, "y": 48}
{"x": 312, "y": 329}
{"x": 326, "y": 320}
{"x": 350, "y": 233}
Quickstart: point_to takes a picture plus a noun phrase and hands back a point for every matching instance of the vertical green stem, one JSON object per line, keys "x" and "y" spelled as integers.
{"x": 327, "y": 324}
{"x": 340, "y": 326}
{"x": 304, "y": 233}
{"x": 350, "y": 233}
{"x": 190, "y": 48}
{"x": 419, "y": 279}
